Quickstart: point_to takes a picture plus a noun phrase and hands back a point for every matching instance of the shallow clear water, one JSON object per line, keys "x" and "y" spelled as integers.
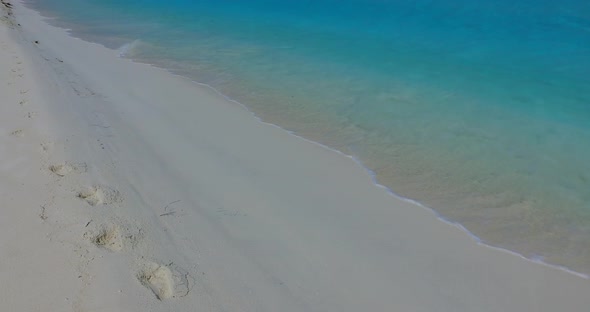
{"x": 479, "y": 109}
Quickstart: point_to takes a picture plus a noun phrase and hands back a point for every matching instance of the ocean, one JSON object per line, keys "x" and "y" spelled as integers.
{"x": 479, "y": 110}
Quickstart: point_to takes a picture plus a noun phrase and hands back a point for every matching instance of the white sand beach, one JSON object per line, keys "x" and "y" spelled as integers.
{"x": 126, "y": 188}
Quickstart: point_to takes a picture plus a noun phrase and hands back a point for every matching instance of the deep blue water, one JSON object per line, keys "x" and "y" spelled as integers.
{"x": 478, "y": 109}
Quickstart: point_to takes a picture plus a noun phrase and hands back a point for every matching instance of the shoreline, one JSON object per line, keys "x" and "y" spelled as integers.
{"x": 369, "y": 171}
{"x": 260, "y": 215}
{"x": 377, "y": 183}
{"x": 373, "y": 176}
{"x": 535, "y": 258}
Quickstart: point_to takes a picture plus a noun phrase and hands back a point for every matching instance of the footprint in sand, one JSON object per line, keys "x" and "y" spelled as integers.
{"x": 66, "y": 168}
{"x": 97, "y": 195}
{"x": 47, "y": 147}
{"x": 115, "y": 236}
{"x": 165, "y": 281}
{"x": 61, "y": 169}
{"x": 18, "y": 133}
{"x": 109, "y": 237}
{"x": 17, "y": 72}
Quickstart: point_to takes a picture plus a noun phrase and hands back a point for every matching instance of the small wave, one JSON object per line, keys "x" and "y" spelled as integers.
{"x": 126, "y": 50}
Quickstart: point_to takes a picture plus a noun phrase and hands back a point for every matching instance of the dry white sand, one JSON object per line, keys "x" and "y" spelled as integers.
{"x": 125, "y": 188}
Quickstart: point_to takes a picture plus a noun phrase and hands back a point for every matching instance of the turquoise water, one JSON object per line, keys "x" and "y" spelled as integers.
{"x": 478, "y": 109}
